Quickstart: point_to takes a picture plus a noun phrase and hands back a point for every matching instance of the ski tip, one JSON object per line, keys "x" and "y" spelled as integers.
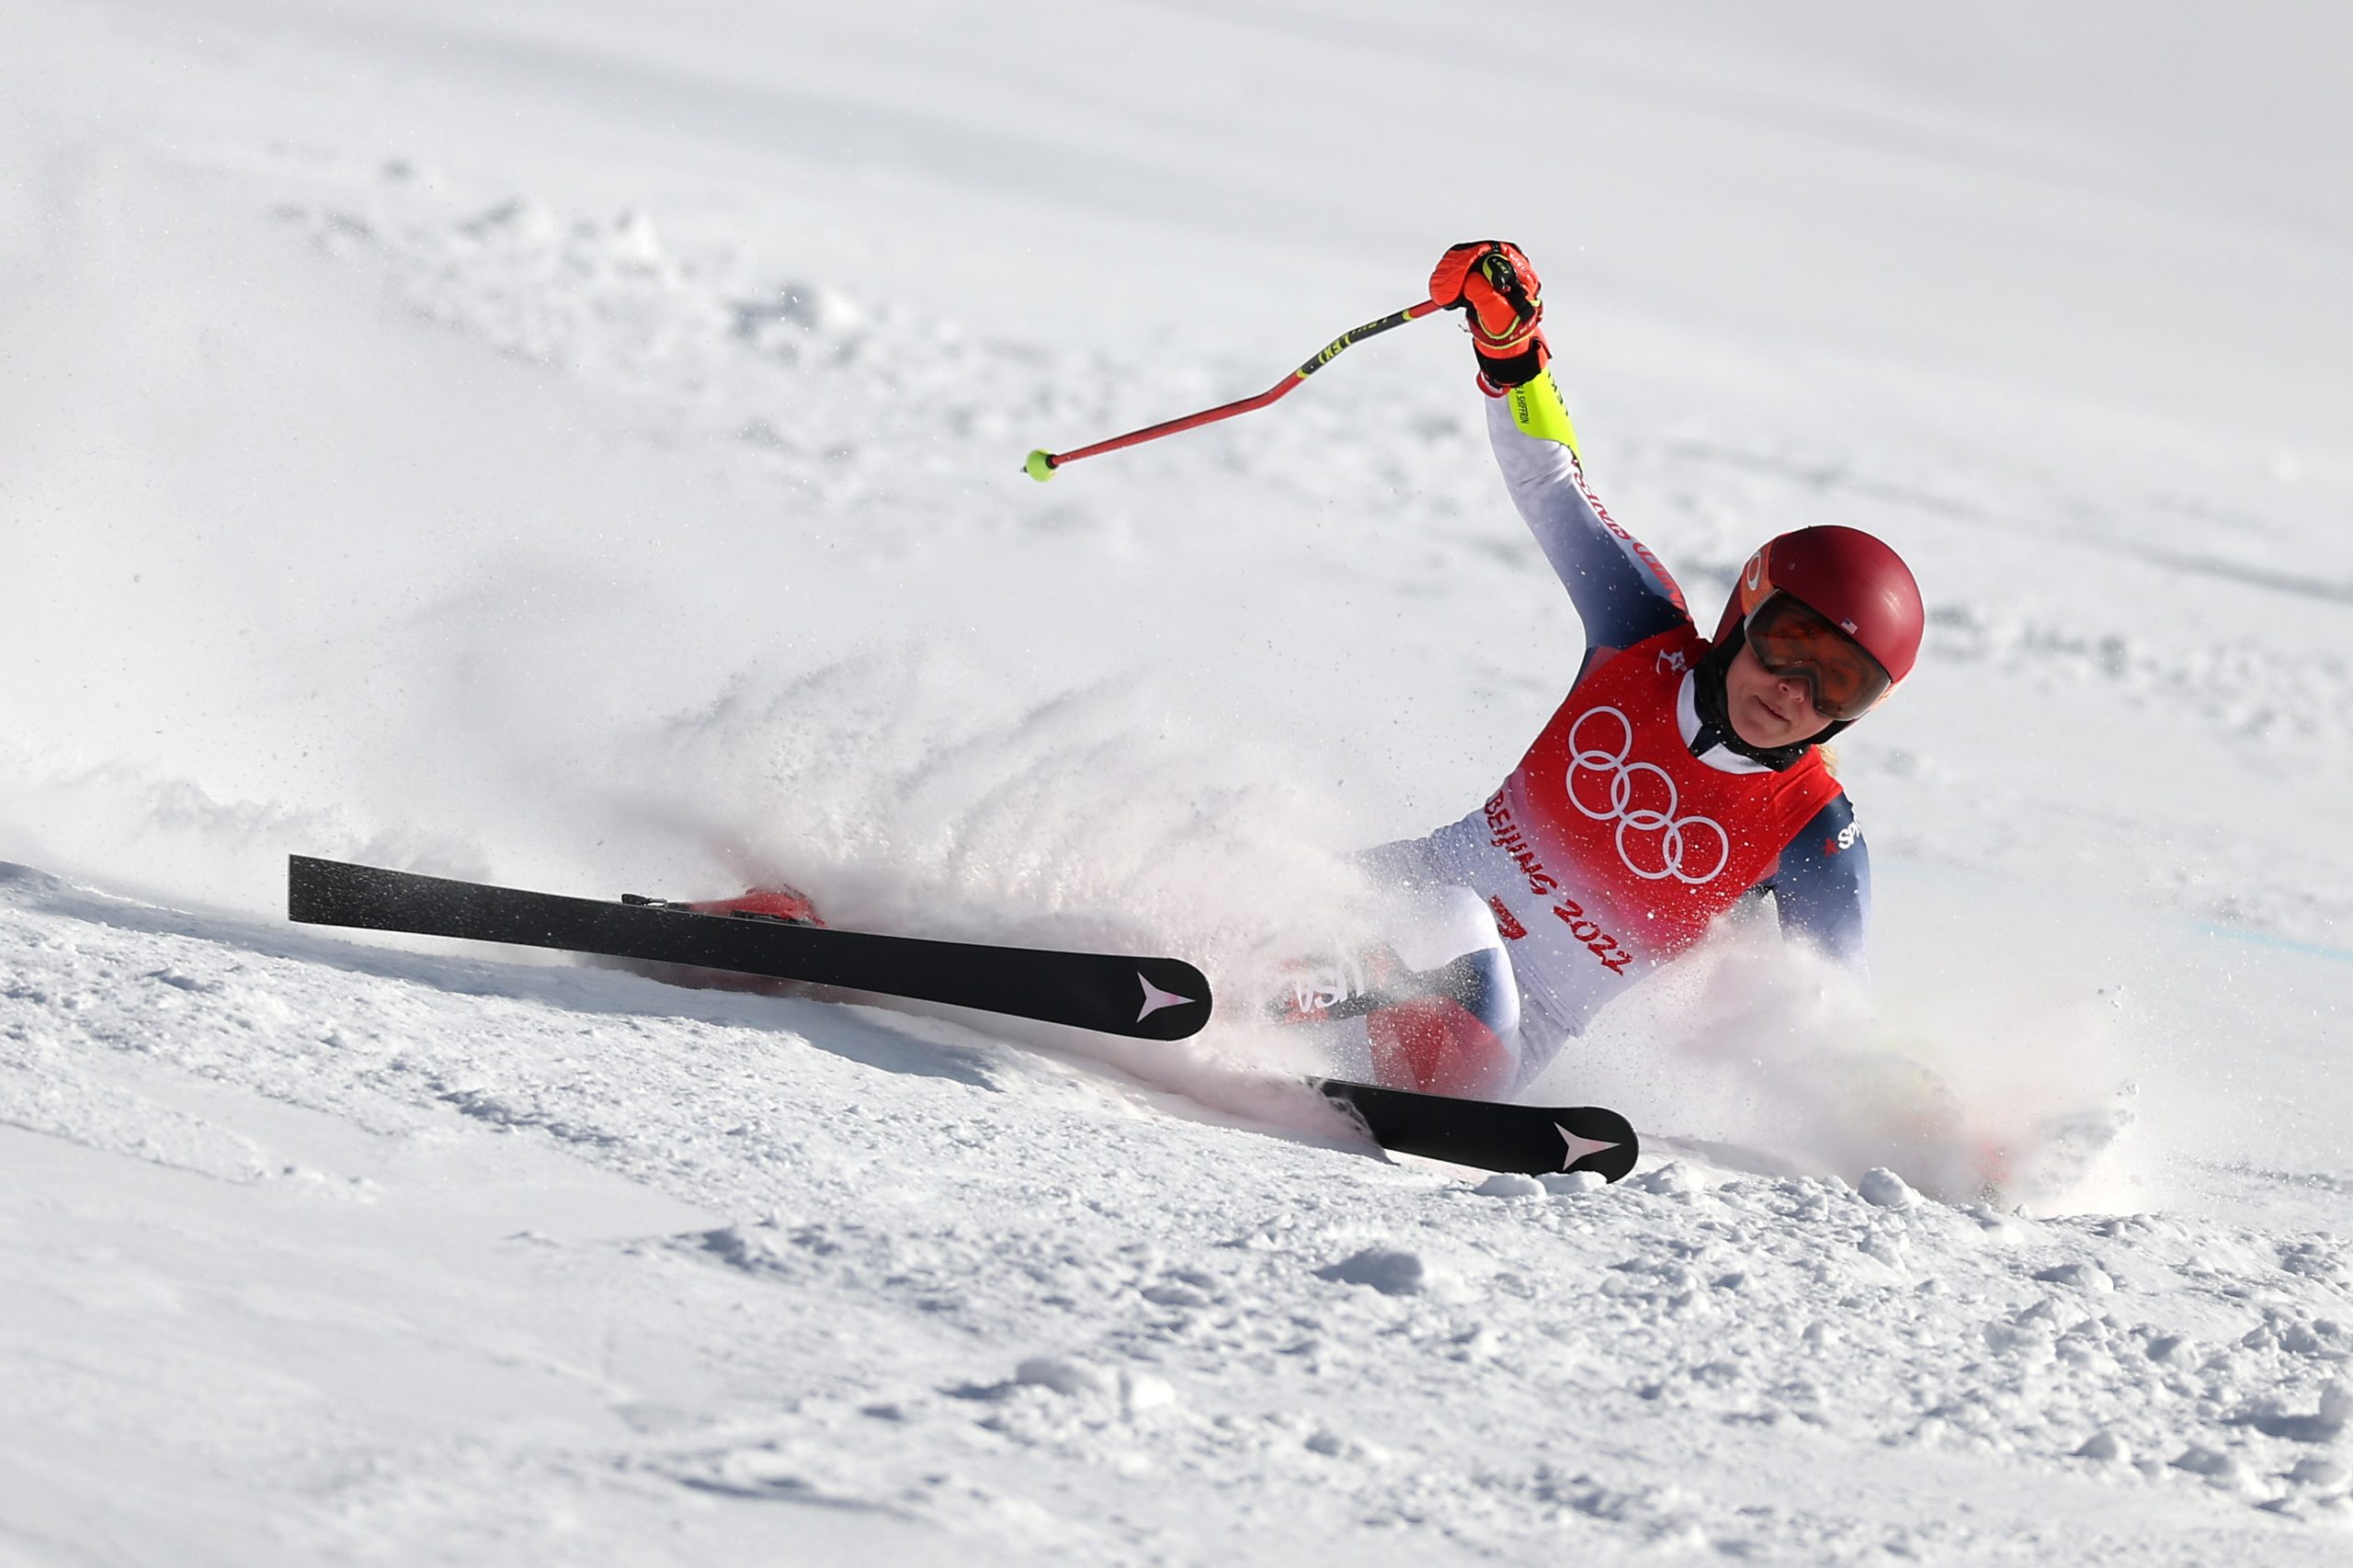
{"x": 1040, "y": 465}
{"x": 1596, "y": 1140}
{"x": 1488, "y": 1134}
{"x": 1173, "y": 999}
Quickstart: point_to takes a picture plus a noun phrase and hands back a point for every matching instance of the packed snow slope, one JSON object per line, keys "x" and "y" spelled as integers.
{"x": 579, "y": 445}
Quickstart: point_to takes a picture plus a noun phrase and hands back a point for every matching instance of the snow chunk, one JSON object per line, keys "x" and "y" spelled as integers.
{"x": 1884, "y": 1188}
{"x": 1069, "y": 1378}
{"x": 1570, "y": 1183}
{"x": 1511, "y": 1184}
{"x": 1890, "y": 1248}
{"x": 1334, "y": 1445}
{"x": 1992, "y": 1224}
{"x": 2082, "y": 1275}
{"x": 2221, "y": 1468}
{"x": 1672, "y": 1179}
{"x": 2327, "y": 1425}
{"x": 1390, "y": 1272}
{"x": 2106, "y": 1447}
{"x": 2327, "y": 1474}
{"x": 1139, "y": 1391}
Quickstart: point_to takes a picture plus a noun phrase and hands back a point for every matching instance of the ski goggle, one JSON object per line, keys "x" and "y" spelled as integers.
{"x": 1792, "y": 640}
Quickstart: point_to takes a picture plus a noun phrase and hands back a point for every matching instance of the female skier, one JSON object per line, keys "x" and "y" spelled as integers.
{"x": 1681, "y": 773}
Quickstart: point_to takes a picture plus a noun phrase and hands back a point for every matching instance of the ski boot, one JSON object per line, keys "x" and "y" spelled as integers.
{"x": 780, "y": 902}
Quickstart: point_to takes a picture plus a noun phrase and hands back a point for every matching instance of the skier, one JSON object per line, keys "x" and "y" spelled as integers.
{"x": 1681, "y": 774}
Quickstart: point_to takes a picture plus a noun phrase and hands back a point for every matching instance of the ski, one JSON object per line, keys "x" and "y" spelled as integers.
{"x": 1145, "y": 998}
{"x": 1140, "y": 997}
{"x": 1533, "y": 1139}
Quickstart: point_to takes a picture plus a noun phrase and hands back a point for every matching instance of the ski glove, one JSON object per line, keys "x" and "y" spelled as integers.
{"x": 1493, "y": 283}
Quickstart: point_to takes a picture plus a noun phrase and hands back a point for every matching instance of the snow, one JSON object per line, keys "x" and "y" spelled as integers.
{"x": 581, "y": 448}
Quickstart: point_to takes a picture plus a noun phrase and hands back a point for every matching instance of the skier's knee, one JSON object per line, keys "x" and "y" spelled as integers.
{"x": 1440, "y": 1046}
{"x": 1463, "y": 1038}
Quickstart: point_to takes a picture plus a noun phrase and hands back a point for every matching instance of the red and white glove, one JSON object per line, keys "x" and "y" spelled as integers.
{"x": 1493, "y": 283}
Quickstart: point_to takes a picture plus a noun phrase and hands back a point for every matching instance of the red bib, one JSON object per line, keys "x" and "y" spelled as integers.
{"x": 1611, "y": 797}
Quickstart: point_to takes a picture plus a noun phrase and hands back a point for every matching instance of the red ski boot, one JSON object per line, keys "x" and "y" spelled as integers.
{"x": 780, "y": 902}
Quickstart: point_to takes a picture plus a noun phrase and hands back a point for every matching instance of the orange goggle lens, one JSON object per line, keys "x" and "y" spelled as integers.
{"x": 1791, "y": 639}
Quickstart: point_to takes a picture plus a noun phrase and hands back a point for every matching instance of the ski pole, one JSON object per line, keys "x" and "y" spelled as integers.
{"x": 1041, "y": 463}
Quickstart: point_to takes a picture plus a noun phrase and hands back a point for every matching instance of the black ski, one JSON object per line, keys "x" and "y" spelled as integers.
{"x": 1490, "y": 1135}
{"x": 1146, "y": 998}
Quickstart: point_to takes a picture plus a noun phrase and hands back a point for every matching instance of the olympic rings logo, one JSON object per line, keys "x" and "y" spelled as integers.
{"x": 1641, "y": 800}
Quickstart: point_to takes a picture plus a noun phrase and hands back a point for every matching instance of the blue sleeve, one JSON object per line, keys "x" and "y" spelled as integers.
{"x": 1623, "y": 592}
{"x": 1823, "y": 885}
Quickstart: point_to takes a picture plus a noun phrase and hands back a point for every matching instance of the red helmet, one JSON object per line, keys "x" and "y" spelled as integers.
{"x": 1847, "y": 577}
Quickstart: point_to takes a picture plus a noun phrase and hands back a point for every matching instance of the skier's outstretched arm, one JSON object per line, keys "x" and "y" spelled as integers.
{"x": 1823, "y": 885}
{"x": 1623, "y": 592}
